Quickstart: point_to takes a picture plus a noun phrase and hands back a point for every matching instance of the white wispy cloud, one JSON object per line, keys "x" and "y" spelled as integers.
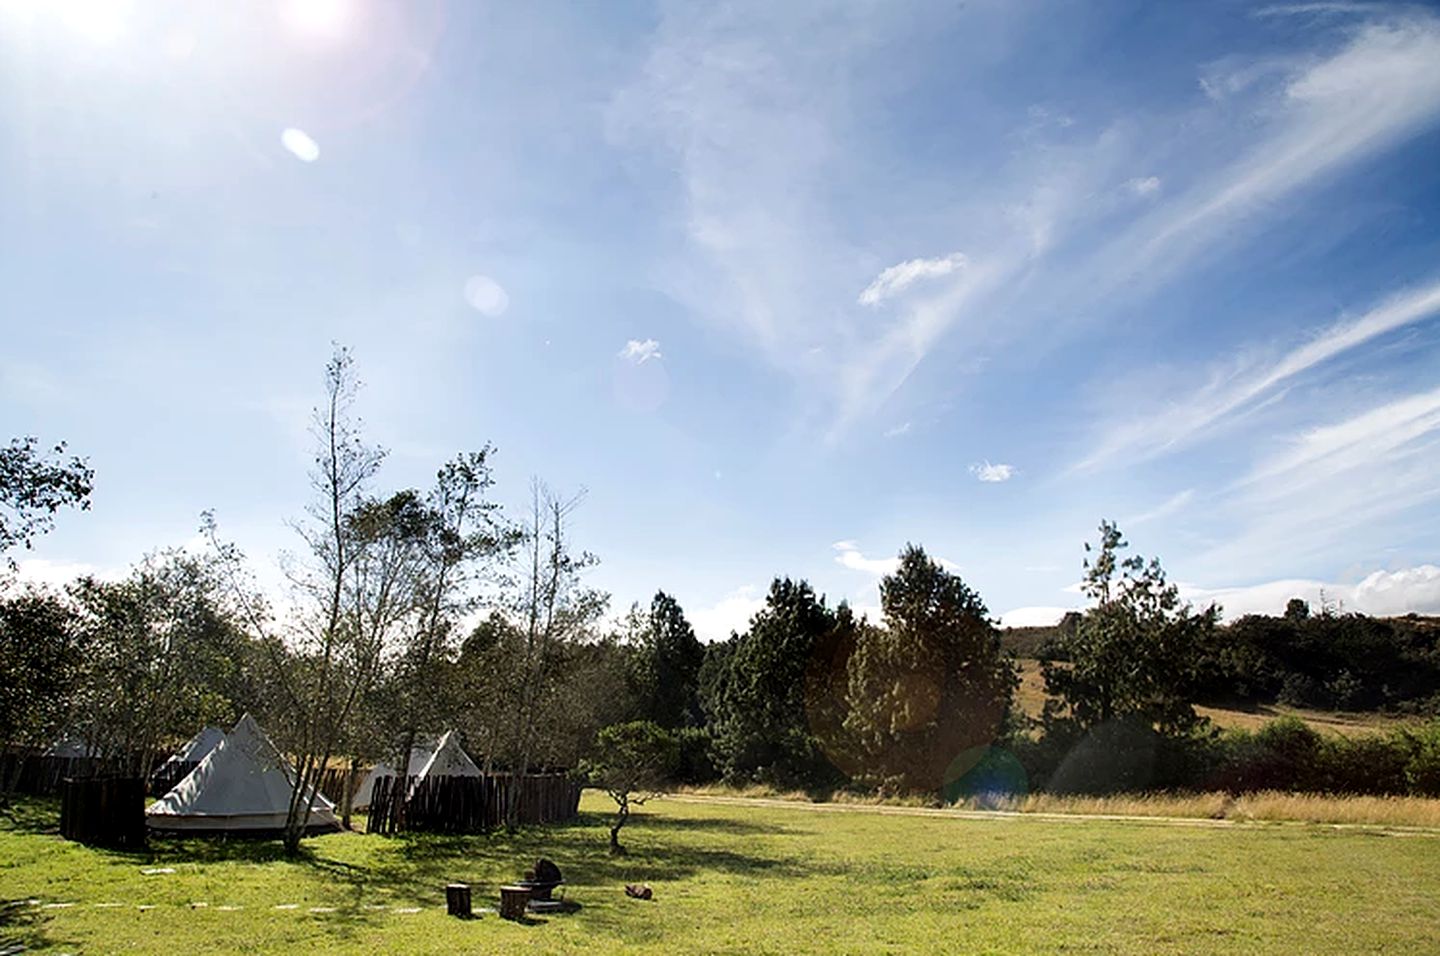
{"x": 1342, "y": 491}
{"x": 899, "y": 277}
{"x": 1169, "y": 506}
{"x": 640, "y": 351}
{"x": 1317, "y": 7}
{"x": 1243, "y": 382}
{"x": 1145, "y": 186}
{"x": 1328, "y": 112}
{"x": 765, "y": 258}
{"x": 985, "y": 471}
{"x": 897, "y": 430}
{"x": 1379, "y": 88}
{"x": 1360, "y": 441}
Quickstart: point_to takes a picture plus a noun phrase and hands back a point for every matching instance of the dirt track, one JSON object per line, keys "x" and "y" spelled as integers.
{"x": 1078, "y": 818}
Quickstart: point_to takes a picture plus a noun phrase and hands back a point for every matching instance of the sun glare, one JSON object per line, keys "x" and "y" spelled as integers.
{"x": 101, "y": 22}
{"x": 321, "y": 19}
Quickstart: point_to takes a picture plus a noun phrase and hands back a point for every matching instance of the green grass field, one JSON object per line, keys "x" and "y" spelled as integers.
{"x": 741, "y": 877}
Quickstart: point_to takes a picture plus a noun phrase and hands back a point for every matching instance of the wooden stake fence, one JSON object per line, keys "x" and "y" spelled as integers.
{"x": 104, "y": 811}
{"x": 43, "y": 776}
{"x": 470, "y": 804}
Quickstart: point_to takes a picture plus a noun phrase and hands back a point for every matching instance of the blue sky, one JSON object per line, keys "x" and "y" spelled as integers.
{"x": 783, "y": 286}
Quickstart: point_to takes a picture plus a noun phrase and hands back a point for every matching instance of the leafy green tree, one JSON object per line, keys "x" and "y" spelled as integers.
{"x": 1135, "y": 653}
{"x": 632, "y": 762}
{"x": 458, "y": 538}
{"x": 714, "y": 679}
{"x": 929, "y": 691}
{"x": 41, "y": 665}
{"x": 669, "y": 663}
{"x": 483, "y": 689}
{"x": 756, "y": 692}
{"x": 33, "y": 486}
{"x": 162, "y": 657}
{"x": 827, "y": 692}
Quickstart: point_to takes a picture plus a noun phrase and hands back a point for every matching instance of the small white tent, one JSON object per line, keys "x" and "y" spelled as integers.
{"x": 244, "y": 784}
{"x": 71, "y": 747}
{"x": 448, "y": 760}
{"x": 198, "y": 748}
{"x": 419, "y": 756}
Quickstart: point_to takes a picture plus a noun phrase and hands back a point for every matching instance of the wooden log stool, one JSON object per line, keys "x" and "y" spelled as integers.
{"x": 513, "y": 900}
{"x": 457, "y": 900}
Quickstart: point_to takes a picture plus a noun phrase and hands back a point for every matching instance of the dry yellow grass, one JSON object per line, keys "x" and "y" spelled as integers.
{"x": 1318, "y": 808}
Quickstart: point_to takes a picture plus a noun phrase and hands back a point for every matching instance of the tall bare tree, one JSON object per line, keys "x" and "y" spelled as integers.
{"x": 461, "y": 538}
{"x": 550, "y": 606}
{"x": 350, "y": 587}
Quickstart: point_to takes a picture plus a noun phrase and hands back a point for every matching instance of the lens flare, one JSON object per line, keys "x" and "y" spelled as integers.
{"x": 486, "y": 296}
{"x": 300, "y": 145}
{"x": 320, "y": 19}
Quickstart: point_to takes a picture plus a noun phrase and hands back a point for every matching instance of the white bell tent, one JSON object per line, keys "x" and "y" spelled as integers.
{"x": 448, "y": 760}
{"x": 243, "y": 784}
{"x": 419, "y": 756}
{"x": 72, "y": 747}
{"x": 198, "y": 748}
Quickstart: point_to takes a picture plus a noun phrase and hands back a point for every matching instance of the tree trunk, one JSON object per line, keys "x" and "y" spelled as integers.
{"x": 620, "y": 817}
{"x": 347, "y": 797}
{"x": 7, "y": 788}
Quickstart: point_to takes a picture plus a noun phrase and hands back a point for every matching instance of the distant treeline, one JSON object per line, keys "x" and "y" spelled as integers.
{"x": 1324, "y": 660}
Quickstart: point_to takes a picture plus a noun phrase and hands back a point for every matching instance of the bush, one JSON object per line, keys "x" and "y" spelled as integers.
{"x": 1285, "y": 755}
{"x": 1422, "y": 771}
{"x": 1371, "y": 765}
{"x": 1112, "y": 757}
{"x": 1282, "y": 755}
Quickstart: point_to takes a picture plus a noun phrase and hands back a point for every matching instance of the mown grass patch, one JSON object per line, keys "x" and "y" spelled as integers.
{"x": 741, "y": 877}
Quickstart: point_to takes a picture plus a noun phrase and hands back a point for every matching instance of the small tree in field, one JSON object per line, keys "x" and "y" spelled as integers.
{"x": 1135, "y": 653}
{"x": 633, "y": 762}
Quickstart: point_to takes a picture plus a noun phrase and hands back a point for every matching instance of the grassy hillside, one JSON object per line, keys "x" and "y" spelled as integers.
{"x": 1026, "y": 644}
{"x": 1031, "y": 697}
{"x": 750, "y": 877}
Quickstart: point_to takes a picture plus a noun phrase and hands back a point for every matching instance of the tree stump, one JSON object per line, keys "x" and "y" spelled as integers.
{"x": 513, "y": 900}
{"x": 457, "y": 900}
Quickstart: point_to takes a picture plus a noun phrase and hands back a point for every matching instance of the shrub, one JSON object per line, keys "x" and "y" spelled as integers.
{"x": 1422, "y": 772}
{"x": 1372, "y": 765}
{"x": 1282, "y": 755}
